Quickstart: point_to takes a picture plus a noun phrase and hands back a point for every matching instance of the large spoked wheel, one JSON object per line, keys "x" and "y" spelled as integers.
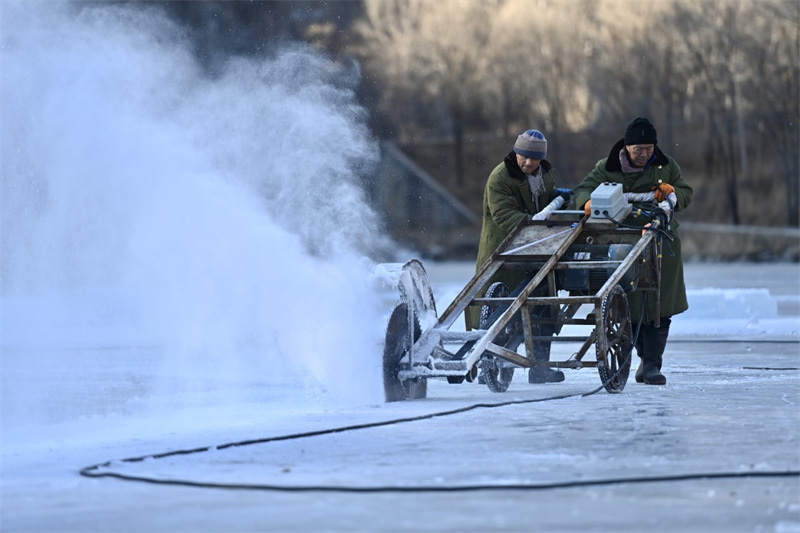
{"x": 614, "y": 362}
{"x": 403, "y": 330}
{"x": 497, "y": 374}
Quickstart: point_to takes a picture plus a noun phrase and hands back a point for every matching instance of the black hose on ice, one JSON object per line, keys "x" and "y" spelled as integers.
{"x": 100, "y": 470}
{"x": 97, "y": 471}
{"x": 447, "y": 488}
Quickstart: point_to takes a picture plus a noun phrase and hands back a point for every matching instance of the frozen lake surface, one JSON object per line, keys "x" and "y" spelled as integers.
{"x": 716, "y": 449}
{"x": 185, "y": 301}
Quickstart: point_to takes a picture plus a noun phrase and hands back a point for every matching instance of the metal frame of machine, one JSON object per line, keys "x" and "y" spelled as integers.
{"x": 583, "y": 267}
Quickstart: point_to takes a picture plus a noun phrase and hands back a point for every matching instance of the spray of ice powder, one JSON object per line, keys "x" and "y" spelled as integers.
{"x": 145, "y": 204}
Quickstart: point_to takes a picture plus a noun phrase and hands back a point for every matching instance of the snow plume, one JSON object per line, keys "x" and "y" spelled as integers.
{"x": 214, "y": 222}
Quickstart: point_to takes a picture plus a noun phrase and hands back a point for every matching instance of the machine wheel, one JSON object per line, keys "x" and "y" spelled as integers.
{"x": 614, "y": 364}
{"x": 497, "y": 375}
{"x": 402, "y": 331}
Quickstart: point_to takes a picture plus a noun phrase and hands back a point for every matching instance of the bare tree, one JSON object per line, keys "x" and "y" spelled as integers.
{"x": 517, "y": 63}
{"x": 773, "y": 44}
{"x": 427, "y": 50}
{"x": 719, "y": 77}
{"x": 538, "y": 70}
{"x": 742, "y": 61}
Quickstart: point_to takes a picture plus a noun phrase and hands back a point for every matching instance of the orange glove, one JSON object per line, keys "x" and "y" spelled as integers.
{"x": 667, "y": 190}
{"x": 587, "y": 207}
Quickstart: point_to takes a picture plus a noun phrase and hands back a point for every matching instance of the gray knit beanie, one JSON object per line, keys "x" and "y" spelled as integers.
{"x": 531, "y": 144}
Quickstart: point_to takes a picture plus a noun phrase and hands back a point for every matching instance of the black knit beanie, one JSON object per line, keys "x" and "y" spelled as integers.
{"x": 640, "y": 131}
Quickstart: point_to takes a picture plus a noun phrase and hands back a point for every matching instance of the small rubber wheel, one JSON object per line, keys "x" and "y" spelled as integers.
{"x": 498, "y": 374}
{"x": 402, "y": 331}
{"x": 614, "y": 364}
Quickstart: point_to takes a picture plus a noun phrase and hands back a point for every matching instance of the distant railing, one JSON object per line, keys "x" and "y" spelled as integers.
{"x": 742, "y": 230}
{"x": 701, "y": 240}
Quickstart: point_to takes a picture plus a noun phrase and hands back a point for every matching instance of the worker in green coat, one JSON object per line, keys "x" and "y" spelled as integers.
{"x": 521, "y": 186}
{"x": 640, "y": 166}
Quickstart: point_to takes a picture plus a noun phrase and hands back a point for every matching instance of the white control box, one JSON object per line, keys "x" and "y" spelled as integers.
{"x": 608, "y": 201}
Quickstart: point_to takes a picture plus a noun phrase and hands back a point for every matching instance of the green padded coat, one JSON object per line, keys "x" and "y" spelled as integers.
{"x": 663, "y": 169}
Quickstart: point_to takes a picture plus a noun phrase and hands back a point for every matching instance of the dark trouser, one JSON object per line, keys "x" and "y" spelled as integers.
{"x": 543, "y": 327}
{"x": 541, "y": 349}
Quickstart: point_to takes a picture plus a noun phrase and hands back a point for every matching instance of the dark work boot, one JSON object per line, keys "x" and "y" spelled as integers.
{"x": 655, "y": 342}
{"x": 640, "y": 372}
{"x": 542, "y": 374}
